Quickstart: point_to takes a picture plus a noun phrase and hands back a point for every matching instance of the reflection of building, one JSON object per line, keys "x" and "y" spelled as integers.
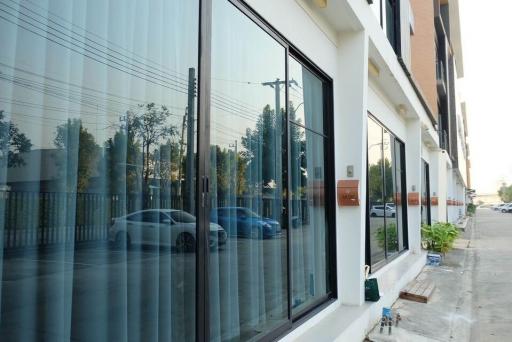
{"x": 39, "y": 172}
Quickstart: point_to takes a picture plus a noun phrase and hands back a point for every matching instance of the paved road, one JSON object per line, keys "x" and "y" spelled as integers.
{"x": 492, "y": 277}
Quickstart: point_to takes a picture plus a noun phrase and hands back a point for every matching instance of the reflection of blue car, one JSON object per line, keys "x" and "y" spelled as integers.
{"x": 240, "y": 221}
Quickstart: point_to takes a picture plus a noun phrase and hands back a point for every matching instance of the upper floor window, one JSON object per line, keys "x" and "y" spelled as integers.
{"x": 392, "y": 23}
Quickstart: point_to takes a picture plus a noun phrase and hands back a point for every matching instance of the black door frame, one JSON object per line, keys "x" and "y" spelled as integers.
{"x": 203, "y": 168}
{"x": 426, "y": 170}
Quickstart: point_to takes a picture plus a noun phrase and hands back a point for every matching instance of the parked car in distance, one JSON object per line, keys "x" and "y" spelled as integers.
{"x": 161, "y": 227}
{"x": 241, "y": 221}
{"x": 378, "y": 210}
{"x": 497, "y": 206}
{"x": 507, "y": 208}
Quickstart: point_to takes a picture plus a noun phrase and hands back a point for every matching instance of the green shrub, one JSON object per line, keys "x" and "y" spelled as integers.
{"x": 439, "y": 237}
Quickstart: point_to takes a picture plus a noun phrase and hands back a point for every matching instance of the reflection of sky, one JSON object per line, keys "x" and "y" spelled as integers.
{"x": 130, "y": 52}
{"x": 243, "y": 56}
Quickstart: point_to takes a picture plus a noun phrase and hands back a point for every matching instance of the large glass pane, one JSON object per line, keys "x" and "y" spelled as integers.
{"x": 248, "y": 275}
{"x": 390, "y": 180}
{"x": 306, "y": 97}
{"x": 377, "y": 232}
{"x": 309, "y": 234}
{"x": 97, "y": 130}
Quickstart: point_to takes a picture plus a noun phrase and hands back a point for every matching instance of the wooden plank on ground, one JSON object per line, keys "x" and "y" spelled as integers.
{"x": 418, "y": 291}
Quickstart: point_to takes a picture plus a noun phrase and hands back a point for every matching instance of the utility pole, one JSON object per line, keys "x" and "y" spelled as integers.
{"x": 189, "y": 178}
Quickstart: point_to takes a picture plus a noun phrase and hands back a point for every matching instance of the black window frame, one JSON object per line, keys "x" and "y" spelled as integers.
{"x": 396, "y": 26}
{"x": 202, "y": 203}
{"x": 403, "y": 199}
{"x": 426, "y": 187}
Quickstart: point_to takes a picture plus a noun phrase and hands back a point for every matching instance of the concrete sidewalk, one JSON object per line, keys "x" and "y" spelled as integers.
{"x": 447, "y": 316}
{"x": 473, "y": 296}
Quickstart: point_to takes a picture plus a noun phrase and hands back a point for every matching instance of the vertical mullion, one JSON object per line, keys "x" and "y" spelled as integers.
{"x": 383, "y": 197}
{"x": 288, "y": 190}
{"x": 203, "y": 166}
{"x": 403, "y": 175}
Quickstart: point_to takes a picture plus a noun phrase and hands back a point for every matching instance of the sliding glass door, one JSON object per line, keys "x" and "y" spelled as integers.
{"x": 248, "y": 276}
{"x": 166, "y": 173}
{"x": 97, "y": 213}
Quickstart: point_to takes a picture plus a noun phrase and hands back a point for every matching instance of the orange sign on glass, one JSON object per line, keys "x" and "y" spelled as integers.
{"x": 348, "y": 193}
{"x": 398, "y": 198}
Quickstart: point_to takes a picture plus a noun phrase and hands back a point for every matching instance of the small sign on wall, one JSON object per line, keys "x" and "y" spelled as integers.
{"x": 413, "y": 198}
{"x": 348, "y": 193}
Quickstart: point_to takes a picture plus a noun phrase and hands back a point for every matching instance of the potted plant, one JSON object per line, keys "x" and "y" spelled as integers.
{"x": 438, "y": 239}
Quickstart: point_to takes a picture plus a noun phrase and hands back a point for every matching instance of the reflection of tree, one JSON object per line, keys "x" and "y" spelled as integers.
{"x": 375, "y": 187}
{"x": 151, "y": 127}
{"x": 298, "y": 154}
{"x": 388, "y": 236}
{"x": 224, "y": 164}
{"x": 260, "y": 146}
{"x": 124, "y": 167}
{"x": 81, "y": 154}
{"x": 12, "y": 143}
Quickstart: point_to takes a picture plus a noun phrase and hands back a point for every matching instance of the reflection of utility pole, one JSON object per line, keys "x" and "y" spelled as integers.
{"x": 276, "y": 85}
{"x": 182, "y": 146}
{"x": 189, "y": 178}
{"x": 277, "y": 90}
{"x": 235, "y": 167}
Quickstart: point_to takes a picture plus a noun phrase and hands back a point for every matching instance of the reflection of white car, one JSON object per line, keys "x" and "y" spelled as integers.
{"x": 378, "y": 210}
{"x": 161, "y": 227}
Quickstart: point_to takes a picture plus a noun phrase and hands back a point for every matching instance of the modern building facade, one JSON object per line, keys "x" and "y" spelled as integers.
{"x": 222, "y": 170}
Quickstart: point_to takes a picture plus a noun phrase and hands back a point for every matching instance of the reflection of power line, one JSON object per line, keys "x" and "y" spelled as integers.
{"x": 115, "y": 61}
{"x": 92, "y": 55}
{"x": 83, "y": 42}
{"x": 107, "y": 58}
{"x": 82, "y": 92}
{"x": 45, "y": 10}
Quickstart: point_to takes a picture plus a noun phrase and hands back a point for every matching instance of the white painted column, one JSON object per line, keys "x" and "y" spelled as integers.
{"x": 414, "y": 180}
{"x": 434, "y": 184}
{"x": 350, "y": 120}
{"x": 443, "y": 186}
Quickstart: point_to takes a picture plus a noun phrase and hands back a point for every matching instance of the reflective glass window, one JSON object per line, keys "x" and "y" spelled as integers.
{"x": 386, "y": 228}
{"x": 248, "y": 275}
{"x": 97, "y": 124}
{"x": 309, "y": 226}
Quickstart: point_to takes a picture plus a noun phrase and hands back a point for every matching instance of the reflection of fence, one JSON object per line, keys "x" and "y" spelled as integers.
{"x": 46, "y": 218}
{"x": 49, "y": 218}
